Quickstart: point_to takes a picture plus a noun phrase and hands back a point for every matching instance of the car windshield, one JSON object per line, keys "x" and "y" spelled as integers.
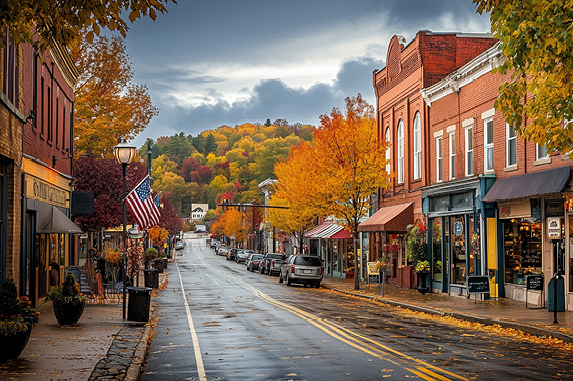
{"x": 307, "y": 261}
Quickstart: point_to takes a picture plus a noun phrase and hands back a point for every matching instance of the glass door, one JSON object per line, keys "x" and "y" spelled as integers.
{"x": 458, "y": 250}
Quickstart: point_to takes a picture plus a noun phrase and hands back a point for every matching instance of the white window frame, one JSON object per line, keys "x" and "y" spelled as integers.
{"x": 469, "y": 147}
{"x": 439, "y": 160}
{"x": 452, "y": 154}
{"x": 487, "y": 147}
{"x": 509, "y": 140}
{"x": 388, "y": 151}
{"x": 400, "y": 152}
{"x": 417, "y": 137}
{"x": 538, "y": 150}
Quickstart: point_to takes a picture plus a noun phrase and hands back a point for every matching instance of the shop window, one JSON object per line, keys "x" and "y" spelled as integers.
{"x": 522, "y": 249}
{"x": 458, "y": 251}
{"x": 474, "y": 247}
{"x": 437, "y": 249}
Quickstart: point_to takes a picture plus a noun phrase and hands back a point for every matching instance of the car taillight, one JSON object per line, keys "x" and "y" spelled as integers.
{"x": 292, "y": 268}
{"x": 322, "y": 270}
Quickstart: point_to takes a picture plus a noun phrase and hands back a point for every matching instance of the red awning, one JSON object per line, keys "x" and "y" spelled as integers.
{"x": 389, "y": 218}
{"x": 342, "y": 234}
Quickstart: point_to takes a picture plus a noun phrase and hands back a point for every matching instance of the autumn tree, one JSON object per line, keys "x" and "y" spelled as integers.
{"x": 169, "y": 218}
{"x": 536, "y": 38}
{"x": 341, "y": 171}
{"x": 235, "y": 225}
{"x": 41, "y": 22}
{"x": 107, "y": 104}
{"x": 290, "y": 219}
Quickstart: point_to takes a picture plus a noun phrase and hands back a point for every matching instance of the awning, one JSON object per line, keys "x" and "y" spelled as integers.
{"x": 318, "y": 229}
{"x": 326, "y": 233}
{"x": 342, "y": 234}
{"x": 51, "y": 220}
{"x": 530, "y": 184}
{"x": 389, "y": 218}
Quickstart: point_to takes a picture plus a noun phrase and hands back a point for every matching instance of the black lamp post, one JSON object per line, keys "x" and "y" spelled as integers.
{"x": 124, "y": 153}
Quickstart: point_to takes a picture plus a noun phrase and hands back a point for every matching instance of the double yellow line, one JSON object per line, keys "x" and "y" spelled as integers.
{"x": 418, "y": 367}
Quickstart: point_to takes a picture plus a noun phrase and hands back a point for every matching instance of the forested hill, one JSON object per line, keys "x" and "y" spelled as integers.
{"x": 226, "y": 160}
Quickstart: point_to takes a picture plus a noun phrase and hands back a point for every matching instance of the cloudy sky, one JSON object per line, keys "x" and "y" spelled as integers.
{"x": 215, "y": 62}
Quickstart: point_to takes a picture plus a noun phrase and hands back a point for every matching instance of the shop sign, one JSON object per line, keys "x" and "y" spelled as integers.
{"x": 40, "y": 190}
{"x": 554, "y": 228}
{"x": 505, "y": 211}
{"x": 458, "y": 228}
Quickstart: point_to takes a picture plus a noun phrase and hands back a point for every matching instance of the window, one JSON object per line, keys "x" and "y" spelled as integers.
{"x": 511, "y": 146}
{"x": 439, "y": 165}
{"x": 540, "y": 152}
{"x": 470, "y": 150}
{"x": 488, "y": 144}
{"x": 388, "y": 151}
{"x": 11, "y": 69}
{"x": 417, "y": 147}
{"x": 400, "y": 152}
{"x": 452, "y": 144}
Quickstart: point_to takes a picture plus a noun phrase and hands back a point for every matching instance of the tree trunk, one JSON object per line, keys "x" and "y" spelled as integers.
{"x": 356, "y": 268}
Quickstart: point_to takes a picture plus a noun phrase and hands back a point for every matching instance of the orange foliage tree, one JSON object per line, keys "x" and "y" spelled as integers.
{"x": 340, "y": 172}
{"x": 158, "y": 236}
{"x": 107, "y": 104}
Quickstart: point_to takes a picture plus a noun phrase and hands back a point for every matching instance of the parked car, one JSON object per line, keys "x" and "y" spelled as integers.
{"x": 180, "y": 245}
{"x": 242, "y": 255}
{"x": 213, "y": 243}
{"x": 231, "y": 255}
{"x": 222, "y": 249}
{"x": 271, "y": 263}
{"x": 253, "y": 261}
{"x": 305, "y": 269}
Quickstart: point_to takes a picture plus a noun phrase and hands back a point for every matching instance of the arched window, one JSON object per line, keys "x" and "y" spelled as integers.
{"x": 417, "y": 147}
{"x": 400, "y": 152}
{"x": 388, "y": 151}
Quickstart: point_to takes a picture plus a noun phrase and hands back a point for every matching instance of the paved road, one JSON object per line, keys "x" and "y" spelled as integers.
{"x": 237, "y": 325}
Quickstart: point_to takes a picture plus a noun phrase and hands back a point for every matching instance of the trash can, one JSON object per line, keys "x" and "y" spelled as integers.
{"x": 138, "y": 303}
{"x": 560, "y": 295}
{"x": 165, "y": 263}
{"x": 151, "y": 277}
{"x": 158, "y": 264}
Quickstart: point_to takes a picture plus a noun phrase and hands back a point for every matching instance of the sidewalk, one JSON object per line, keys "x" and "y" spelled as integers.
{"x": 102, "y": 346}
{"x": 505, "y": 312}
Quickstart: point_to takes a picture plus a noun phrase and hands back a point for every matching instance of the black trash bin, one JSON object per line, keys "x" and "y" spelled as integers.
{"x": 158, "y": 264}
{"x": 138, "y": 303}
{"x": 151, "y": 277}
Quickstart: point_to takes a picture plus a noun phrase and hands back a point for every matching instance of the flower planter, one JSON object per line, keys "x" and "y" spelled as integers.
{"x": 158, "y": 264}
{"x": 164, "y": 263}
{"x": 68, "y": 313}
{"x": 13, "y": 345}
{"x": 350, "y": 275}
{"x": 422, "y": 275}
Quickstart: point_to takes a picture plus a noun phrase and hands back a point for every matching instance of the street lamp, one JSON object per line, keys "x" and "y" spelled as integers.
{"x": 124, "y": 153}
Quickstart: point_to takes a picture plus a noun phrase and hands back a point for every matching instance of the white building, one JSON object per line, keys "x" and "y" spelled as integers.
{"x": 198, "y": 211}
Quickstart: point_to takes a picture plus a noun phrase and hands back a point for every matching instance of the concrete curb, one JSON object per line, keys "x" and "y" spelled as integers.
{"x": 529, "y": 329}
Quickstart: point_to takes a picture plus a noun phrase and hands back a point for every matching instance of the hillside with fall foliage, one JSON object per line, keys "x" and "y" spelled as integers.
{"x": 226, "y": 162}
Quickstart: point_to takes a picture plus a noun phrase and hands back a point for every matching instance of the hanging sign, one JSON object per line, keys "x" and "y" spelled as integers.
{"x": 554, "y": 228}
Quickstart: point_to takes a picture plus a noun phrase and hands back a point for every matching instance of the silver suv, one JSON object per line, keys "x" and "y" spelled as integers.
{"x": 305, "y": 269}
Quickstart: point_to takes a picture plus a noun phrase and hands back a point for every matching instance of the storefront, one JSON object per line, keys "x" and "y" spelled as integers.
{"x": 525, "y": 206}
{"x": 334, "y": 245}
{"x": 454, "y": 227}
{"x": 386, "y": 229}
{"x": 47, "y": 229}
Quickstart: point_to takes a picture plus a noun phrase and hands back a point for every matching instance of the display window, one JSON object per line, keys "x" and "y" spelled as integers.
{"x": 522, "y": 248}
{"x": 458, "y": 250}
{"x": 437, "y": 249}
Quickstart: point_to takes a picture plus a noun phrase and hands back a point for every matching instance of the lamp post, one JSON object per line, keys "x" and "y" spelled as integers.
{"x": 124, "y": 153}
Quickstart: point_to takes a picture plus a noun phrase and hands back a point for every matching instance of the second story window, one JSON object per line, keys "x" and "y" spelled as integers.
{"x": 439, "y": 161}
{"x": 417, "y": 147}
{"x": 11, "y": 69}
{"x": 511, "y": 146}
{"x": 388, "y": 151}
{"x": 470, "y": 150}
{"x": 452, "y": 144}
{"x": 488, "y": 144}
{"x": 400, "y": 152}
{"x": 540, "y": 152}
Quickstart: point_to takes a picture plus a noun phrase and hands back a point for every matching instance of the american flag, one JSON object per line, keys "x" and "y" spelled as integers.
{"x": 142, "y": 205}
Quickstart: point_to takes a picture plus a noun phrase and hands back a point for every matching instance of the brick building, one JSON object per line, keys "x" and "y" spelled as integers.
{"x": 37, "y": 103}
{"x": 404, "y": 122}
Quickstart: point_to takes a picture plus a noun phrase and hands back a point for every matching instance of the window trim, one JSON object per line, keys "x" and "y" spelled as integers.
{"x": 439, "y": 159}
{"x": 417, "y": 148}
{"x": 400, "y": 177}
{"x": 388, "y": 150}
{"x": 508, "y": 140}
{"x": 469, "y": 151}
{"x": 452, "y": 155}
{"x": 487, "y": 146}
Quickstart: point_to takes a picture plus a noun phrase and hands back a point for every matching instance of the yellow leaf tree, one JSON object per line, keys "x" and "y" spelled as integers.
{"x": 235, "y": 225}
{"x": 107, "y": 104}
{"x": 294, "y": 220}
{"x": 61, "y": 21}
{"x": 536, "y": 38}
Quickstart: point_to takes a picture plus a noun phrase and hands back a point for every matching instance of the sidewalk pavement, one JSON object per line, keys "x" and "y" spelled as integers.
{"x": 505, "y": 312}
{"x": 102, "y": 346}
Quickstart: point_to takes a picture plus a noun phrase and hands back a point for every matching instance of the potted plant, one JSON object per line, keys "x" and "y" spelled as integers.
{"x": 67, "y": 301}
{"x": 149, "y": 256}
{"x": 416, "y": 250}
{"x": 422, "y": 269}
{"x": 16, "y": 319}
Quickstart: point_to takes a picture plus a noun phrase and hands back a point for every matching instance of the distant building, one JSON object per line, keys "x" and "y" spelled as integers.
{"x": 198, "y": 211}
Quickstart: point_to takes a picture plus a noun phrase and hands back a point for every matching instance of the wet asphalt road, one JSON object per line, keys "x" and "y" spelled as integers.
{"x": 238, "y": 325}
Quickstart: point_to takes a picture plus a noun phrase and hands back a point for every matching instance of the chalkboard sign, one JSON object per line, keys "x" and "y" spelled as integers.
{"x": 374, "y": 279}
{"x": 534, "y": 282}
{"x": 477, "y": 284}
{"x": 371, "y": 268}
